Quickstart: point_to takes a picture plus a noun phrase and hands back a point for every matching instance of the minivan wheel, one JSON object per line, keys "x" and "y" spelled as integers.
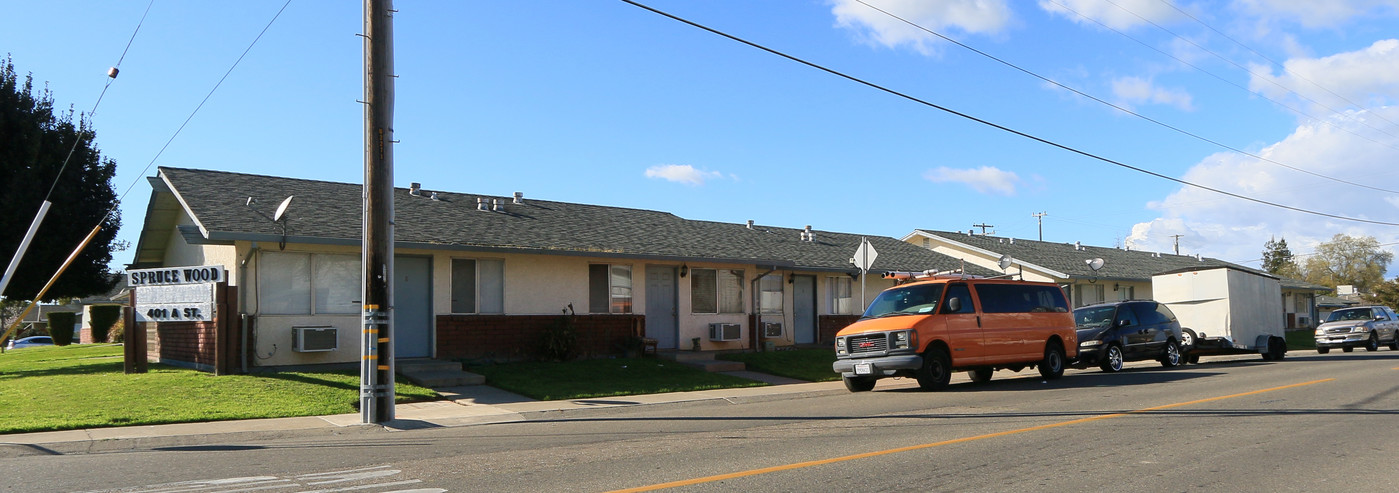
{"x": 1323, "y": 350}
{"x": 981, "y": 375}
{"x": 936, "y": 370}
{"x": 1052, "y": 366}
{"x": 1112, "y": 359}
{"x": 1374, "y": 343}
{"x": 1347, "y": 349}
{"x": 1170, "y": 357}
{"x": 859, "y": 384}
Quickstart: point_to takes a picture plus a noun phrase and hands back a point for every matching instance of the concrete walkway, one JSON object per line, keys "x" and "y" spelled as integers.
{"x": 461, "y": 406}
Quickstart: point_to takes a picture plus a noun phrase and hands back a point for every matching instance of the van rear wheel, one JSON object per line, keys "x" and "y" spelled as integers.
{"x": 859, "y": 384}
{"x": 1052, "y": 366}
{"x": 936, "y": 370}
{"x": 1170, "y": 356}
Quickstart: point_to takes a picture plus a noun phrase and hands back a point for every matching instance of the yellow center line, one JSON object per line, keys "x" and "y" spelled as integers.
{"x": 866, "y": 455}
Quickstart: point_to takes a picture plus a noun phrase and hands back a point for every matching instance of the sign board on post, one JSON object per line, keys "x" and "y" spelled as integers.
{"x": 864, "y": 258}
{"x": 174, "y": 294}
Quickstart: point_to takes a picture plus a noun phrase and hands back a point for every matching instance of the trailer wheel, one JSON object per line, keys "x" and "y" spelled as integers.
{"x": 1194, "y": 359}
{"x": 1187, "y": 340}
{"x": 936, "y": 370}
{"x": 1374, "y": 343}
{"x": 859, "y": 384}
{"x": 1323, "y": 350}
{"x": 1276, "y": 350}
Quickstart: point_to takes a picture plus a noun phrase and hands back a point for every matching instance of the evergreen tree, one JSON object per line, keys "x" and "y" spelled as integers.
{"x": 1277, "y": 258}
{"x": 34, "y": 141}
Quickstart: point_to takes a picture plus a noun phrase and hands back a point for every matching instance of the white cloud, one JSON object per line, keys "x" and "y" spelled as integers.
{"x": 682, "y": 173}
{"x": 1117, "y": 14}
{"x": 986, "y": 179}
{"x": 1235, "y": 230}
{"x": 1316, "y": 13}
{"x": 877, "y": 28}
{"x": 1135, "y": 91}
{"x": 1366, "y": 77}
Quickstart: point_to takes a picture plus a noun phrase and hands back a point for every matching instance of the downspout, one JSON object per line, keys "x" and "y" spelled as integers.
{"x": 757, "y": 310}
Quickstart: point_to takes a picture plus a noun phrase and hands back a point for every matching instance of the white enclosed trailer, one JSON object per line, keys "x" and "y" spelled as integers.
{"x": 1227, "y": 310}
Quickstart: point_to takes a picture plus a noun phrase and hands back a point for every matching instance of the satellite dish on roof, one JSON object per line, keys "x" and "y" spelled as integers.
{"x": 282, "y": 208}
{"x": 1004, "y": 262}
{"x": 1094, "y": 263}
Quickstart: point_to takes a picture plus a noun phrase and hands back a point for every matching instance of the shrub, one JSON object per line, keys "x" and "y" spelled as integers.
{"x": 118, "y": 332}
{"x": 61, "y": 327}
{"x": 559, "y": 339}
{"x": 103, "y": 318}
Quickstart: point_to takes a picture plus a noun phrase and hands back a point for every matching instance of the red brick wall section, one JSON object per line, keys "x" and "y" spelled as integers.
{"x": 828, "y": 325}
{"x": 518, "y": 337}
{"x": 183, "y": 342}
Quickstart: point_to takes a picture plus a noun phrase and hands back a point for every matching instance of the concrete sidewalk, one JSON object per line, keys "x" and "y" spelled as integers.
{"x": 461, "y": 406}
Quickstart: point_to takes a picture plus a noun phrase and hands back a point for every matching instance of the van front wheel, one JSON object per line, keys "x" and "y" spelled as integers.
{"x": 1053, "y": 365}
{"x": 936, "y": 370}
{"x": 859, "y": 384}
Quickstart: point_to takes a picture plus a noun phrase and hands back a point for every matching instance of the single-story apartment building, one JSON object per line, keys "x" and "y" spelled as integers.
{"x": 1122, "y": 274}
{"x": 482, "y": 276}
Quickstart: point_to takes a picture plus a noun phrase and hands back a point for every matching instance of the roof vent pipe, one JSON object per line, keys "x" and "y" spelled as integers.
{"x": 480, "y": 203}
{"x": 433, "y": 196}
{"x": 1012, "y": 241}
{"x": 806, "y": 234}
{"x": 750, "y": 224}
{"x": 495, "y": 205}
{"x": 519, "y": 197}
{"x": 1077, "y": 246}
{"x": 1198, "y": 259}
{"x": 416, "y": 189}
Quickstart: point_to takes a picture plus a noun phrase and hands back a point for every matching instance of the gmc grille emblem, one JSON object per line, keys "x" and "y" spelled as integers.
{"x": 866, "y": 344}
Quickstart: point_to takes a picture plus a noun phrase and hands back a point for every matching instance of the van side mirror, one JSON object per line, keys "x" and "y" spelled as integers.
{"x": 954, "y": 305}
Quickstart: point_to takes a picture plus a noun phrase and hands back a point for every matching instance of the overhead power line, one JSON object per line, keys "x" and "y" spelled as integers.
{"x": 1297, "y": 111}
{"x": 1121, "y": 108}
{"x": 995, "y": 125}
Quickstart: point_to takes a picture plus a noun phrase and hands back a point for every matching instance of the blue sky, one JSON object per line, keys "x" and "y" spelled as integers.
{"x": 604, "y": 103}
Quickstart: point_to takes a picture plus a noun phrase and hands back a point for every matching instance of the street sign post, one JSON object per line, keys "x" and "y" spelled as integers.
{"x": 864, "y": 258}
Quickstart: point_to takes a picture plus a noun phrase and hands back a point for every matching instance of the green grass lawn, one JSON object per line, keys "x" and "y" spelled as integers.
{"x": 603, "y": 378}
{"x": 812, "y": 365}
{"x": 82, "y": 386}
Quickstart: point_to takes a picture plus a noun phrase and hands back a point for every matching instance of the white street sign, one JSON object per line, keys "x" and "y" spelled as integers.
{"x": 864, "y": 255}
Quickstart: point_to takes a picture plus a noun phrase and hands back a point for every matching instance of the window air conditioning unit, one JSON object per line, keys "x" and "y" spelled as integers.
{"x": 724, "y": 332}
{"x": 772, "y": 330}
{"x": 314, "y": 339}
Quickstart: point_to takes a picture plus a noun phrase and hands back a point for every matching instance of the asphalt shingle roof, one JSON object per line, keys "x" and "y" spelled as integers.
{"x": 1117, "y": 263}
{"x": 329, "y": 212}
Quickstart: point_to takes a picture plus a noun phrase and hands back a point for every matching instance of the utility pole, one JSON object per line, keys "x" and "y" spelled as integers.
{"x": 376, "y": 388}
{"x": 1039, "y": 218}
{"x": 1177, "y": 242}
{"x": 983, "y": 227}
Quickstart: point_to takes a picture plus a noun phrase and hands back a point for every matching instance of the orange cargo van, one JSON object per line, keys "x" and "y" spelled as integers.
{"x": 930, "y": 327}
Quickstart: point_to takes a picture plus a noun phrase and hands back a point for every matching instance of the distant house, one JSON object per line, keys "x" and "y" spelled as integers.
{"x": 481, "y": 276}
{"x": 1122, "y": 275}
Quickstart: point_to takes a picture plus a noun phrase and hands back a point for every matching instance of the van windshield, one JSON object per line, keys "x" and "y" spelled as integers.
{"x": 1094, "y": 316}
{"x": 911, "y": 300}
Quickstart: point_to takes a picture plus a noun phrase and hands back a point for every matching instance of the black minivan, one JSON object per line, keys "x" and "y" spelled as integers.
{"x": 1110, "y": 334}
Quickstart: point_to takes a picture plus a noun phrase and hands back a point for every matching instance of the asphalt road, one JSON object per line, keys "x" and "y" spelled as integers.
{"x": 1309, "y": 423}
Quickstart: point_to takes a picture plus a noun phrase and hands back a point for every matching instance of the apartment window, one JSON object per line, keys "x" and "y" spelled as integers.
{"x": 308, "y": 283}
{"x": 609, "y": 288}
{"x": 770, "y": 293}
{"x": 1302, "y": 303}
{"x": 1125, "y": 293}
{"x": 1089, "y": 294}
{"x": 478, "y": 285}
{"x": 838, "y": 294}
{"x": 716, "y": 291}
